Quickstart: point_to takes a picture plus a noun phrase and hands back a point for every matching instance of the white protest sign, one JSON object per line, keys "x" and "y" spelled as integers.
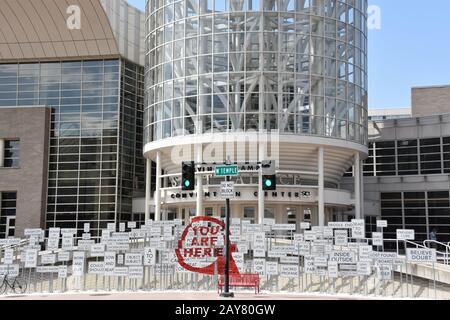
{"x": 239, "y": 260}
{"x": 259, "y": 253}
{"x": 86, "y": 227}
{"x": 421, "y": 255}
{"x": 275, "y": 254}
{"x": 364, "y": 251}
{"x": 53, "y": 243}
{"x": 289, "y": 260}
{"x": 133, "y": 259}
{"x": 321, "y": 261}
{"x": 384, "y": 272}
{"x": 272, "y": 268}
{"x": 62, "y": 272}
{"x": 96, "y": 267}
{"x": 149, "y": 256}
{"x": 33, "y": 232}
{"x": 136, "y": 272}
{"x": 132, "y": 224}
{"x": 8, "y": 256}
{"x": 283, "y": 227}
{"x": 310, "y": 235}
{"x": 382, "y": 223}
{"x": 332, "y": 269}
{"x": 405, "y": 234}
{"x": 78, "y": 263}
{"x": 242, "y": 246}
{"x": 309, "y": 265}
{"x": 340, "y": 225}
{"x": 327, "y": 232}
{"x": 377, "y": 238}
{"x": 342, "y": 257}
{"x": 86, "y": 236}
{"x": 340, "y": 237}
{"x": 48, "y": 259}
{"x": 122, "y": 227}
{"x": 85, "y": 245}
{"x": 97, "y": 250}
{"x": 268, "y": 221}
{"x": 110, "y": 263}
{"x": 289, "y": 270}
{"x": 383, "y": 255}
{"x": 259, "y": 241}
{"x": 31, "y": 258}
{"x": 259, "y": 266}
{"x": 305, "y": 225}
{"x": 63, "y": 256}
{"x": 121, "y": 271}
{"x": 235, "y": 221}
{"x": 363, "y": 268}
{"x": 358, "y": 229}
{"x": 47, "y": 269}
{"x": 304, "y": 248}
{"x": 67, "y": 241}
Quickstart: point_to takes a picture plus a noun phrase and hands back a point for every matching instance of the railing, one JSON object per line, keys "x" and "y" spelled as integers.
{"x": 445, "y": 257}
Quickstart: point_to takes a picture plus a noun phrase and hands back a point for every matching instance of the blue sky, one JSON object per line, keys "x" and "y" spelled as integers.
{"x": 412, "y": 48}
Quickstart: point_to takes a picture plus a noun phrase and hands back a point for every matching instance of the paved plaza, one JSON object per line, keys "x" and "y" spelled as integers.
{"x": 175, "y": 296}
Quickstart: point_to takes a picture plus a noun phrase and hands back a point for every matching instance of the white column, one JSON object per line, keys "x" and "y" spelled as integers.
{"x": 148, "y": 188}
{"x": 158, "y": 187}
{"x": 2, "y": 152}
{"x": 357, "y": 177}
{"x": 262, "y": 154}
{"x": 321, "y": 197}
{"x": 199, "y": 211}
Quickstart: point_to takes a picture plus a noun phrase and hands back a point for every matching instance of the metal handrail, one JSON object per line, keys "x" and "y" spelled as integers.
{"x": 437, "y": 242}
{"x": 447, "y": 249}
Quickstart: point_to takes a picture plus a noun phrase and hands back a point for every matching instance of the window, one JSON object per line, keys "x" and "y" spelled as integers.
{"x": 420, "y": 211}
{"x": 249, "y": 214}
{"x": 11, "y": 154}
{"x": 209, "y": 212}
{"x": 307, "y": 215}
{"x": 269, "y": 213}
{"x": 8, "y": 205}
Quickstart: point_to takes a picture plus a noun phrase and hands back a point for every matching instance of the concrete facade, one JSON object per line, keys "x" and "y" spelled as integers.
{"x": 32, "y": 126}
{"x": 432, "y": 100}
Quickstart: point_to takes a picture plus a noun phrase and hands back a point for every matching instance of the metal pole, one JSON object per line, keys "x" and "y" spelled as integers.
{"x": 434, "y": 281}
{"x": 226, "y": 293}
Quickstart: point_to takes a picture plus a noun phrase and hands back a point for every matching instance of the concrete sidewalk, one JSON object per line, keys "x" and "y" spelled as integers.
{"x": 174, "y": 296}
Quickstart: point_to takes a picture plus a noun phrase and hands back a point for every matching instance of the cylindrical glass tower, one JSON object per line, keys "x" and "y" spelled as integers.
{"x": 296, "y": 67}
{"x": 230, "y": 65}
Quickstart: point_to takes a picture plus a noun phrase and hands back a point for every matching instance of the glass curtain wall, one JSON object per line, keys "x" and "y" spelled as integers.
{"x": 229, "y": 65}
{"x": 96, "y": 107}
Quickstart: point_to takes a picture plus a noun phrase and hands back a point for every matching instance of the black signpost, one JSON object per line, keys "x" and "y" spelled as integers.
{"x": 226, "y": 292}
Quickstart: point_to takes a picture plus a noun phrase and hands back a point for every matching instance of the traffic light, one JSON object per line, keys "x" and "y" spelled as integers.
{"x": 270, "y": 183}
{"x": 269, "y": 177}
{"x": 188, "y": 176}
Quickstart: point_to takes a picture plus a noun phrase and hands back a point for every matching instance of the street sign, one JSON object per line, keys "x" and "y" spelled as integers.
{"x": 224, "y": 171}
{"x": 227, "y": 189}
